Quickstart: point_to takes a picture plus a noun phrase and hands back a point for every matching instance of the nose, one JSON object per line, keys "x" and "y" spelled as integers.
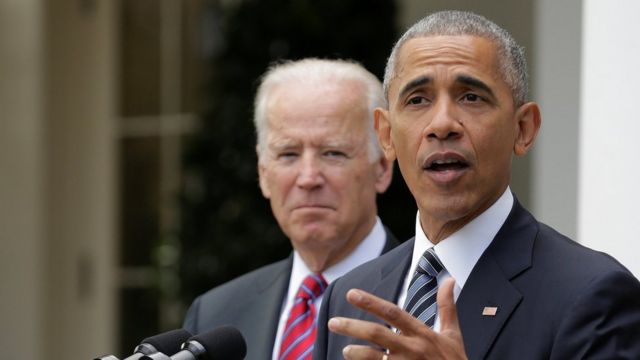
{"x": 310, "y": 174}
{"x": 444, "y": 124}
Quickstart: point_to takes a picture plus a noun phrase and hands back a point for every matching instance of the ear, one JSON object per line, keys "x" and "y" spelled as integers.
{"x": 384, "y": 174}
{"x": 528, "y": 122}
{"x": 262, "y": 176}
{"x": 383, "y": 128}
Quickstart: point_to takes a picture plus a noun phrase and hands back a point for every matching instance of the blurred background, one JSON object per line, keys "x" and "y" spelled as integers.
{"x": 128, "y": 179}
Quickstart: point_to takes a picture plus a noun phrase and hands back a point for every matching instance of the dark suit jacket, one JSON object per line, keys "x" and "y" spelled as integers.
{"x": 252, "y": 303}
{"x": 556, "y": 299}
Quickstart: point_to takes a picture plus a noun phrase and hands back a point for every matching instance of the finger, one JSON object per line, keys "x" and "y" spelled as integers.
{"x": 361, "y": 352}
{"x": 372, "y": 332}
{"x": 385, "y": 310}
{"x": 447, "y": 307}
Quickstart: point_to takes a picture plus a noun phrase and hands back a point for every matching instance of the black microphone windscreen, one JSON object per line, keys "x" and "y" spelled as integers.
{"x": 168, "y": 342}
{"x": 223, "y": 343}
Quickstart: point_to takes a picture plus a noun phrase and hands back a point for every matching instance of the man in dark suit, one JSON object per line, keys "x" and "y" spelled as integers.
{"x": 482, "y": 279}
{"x": 321, "y": 168}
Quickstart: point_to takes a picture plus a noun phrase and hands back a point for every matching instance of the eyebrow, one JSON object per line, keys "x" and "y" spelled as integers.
{"x": 462, "y": 79}
{"x": 281, "y": 144}
{"x": 475, "y": 83}
{"x": 415, "y": 83}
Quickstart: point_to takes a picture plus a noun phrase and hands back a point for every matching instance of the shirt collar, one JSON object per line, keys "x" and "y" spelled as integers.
{"x": 460, "y": 251}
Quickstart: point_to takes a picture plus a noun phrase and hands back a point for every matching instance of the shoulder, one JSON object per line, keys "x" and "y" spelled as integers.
{"x": 571, "y": 260}
{"x": 577, "y": 277}
{"x": 257, "y": 279}
{"x": 598, "y": 311}
{"x": 525, "y": 247}
{"x": 225, "y": 302}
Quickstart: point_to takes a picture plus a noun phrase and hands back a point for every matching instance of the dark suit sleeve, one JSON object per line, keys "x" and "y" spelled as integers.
{"x": 322, "y": 335}
{"x": 604, "y": 322}
{"x": 191, "y": 320}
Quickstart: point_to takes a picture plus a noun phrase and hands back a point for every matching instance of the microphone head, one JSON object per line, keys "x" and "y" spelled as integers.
{"x": 222, "y": 343}
{"x": 168, "y": 342}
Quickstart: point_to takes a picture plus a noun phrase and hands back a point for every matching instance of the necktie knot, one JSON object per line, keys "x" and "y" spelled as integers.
{"x": 312, "y": 286}
{"x": 423, "y": 288}
{"x": 300, "y": 329}
{"x": 429, "y": 264}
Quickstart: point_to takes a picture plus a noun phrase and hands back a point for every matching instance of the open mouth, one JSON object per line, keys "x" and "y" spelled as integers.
{"x": 446, "y": 164}
{"x": 446, "y": 168}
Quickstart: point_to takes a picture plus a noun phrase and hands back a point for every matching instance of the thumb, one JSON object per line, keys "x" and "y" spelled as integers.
{"x": 447, "y": 308}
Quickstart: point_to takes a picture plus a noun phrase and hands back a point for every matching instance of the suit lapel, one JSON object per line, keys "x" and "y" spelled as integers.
{"x": 267, "y": 305}
{"x": 488, "y": 288}
{"x": 391, "y": 276}
{"x": 489, "y": 284}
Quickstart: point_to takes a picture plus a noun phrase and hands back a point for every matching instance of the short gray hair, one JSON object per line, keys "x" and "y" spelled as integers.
{"x": 512, "y": 62}
{"x": 313, "y": 70}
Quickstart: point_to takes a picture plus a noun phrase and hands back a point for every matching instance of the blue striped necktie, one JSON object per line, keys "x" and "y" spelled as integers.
{"x": 423, "y": 288}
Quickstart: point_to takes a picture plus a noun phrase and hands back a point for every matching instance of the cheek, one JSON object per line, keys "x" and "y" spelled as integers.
{"x": 352, "y": 185}
{"x": 494, "y": 157}
{"x": 490, "y": 140}
{"x": 344, "y": 185}
{"x": 407, "y": 140}
{"x": 280, "y": 184}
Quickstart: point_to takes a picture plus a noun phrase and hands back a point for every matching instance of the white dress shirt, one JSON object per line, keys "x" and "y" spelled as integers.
{"x": 460, "y": 251}
{"x": 370, "y": 248}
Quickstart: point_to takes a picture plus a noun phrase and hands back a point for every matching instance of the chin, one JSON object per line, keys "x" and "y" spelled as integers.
{"x": 448, "y": 208}
{"x": 313, "y": 235}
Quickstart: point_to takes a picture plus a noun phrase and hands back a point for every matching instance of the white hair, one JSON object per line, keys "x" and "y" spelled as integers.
{"x": 314, "y": 71}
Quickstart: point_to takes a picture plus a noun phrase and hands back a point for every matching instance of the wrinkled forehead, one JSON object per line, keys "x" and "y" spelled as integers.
{"x": 421, "y": 56}
{"x": 469, "y": 50}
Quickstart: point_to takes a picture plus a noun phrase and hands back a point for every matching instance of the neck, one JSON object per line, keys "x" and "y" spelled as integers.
{"x": 438, "y": 229}
{"x": 319, "y": 259}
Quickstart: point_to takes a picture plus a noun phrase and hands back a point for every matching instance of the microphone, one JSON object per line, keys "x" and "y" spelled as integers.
{"x": 166, "y": 342}
{"x": 222, "y": 343}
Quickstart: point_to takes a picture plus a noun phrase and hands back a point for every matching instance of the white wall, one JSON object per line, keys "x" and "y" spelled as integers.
{"x": 609, "y": 175}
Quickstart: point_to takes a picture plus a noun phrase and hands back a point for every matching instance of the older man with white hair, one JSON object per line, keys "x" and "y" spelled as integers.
{"x": 321, "y": 168}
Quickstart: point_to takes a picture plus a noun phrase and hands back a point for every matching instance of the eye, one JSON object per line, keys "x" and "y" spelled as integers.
{"x": 334, "y": 153}
{"x": 287, "y": 155}
{"x": 416, "y": 100}
{"x": 471, "y": 97}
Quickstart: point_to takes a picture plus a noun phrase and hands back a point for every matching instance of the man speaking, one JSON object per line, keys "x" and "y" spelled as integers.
{"x": 482, "y": 279}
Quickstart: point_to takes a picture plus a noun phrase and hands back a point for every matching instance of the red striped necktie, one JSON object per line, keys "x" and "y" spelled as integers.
{"x": 300, "y": 329}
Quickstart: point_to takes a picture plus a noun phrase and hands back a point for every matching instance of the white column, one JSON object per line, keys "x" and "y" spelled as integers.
{"x": 609, "y": 175}
{"x": 556, "y": 87}
{"x": 57, "y": 179}
{"x": 22, "y": 199}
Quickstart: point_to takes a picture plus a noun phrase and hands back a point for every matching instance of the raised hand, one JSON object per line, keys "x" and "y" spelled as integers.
{"x": 415, "y": 340}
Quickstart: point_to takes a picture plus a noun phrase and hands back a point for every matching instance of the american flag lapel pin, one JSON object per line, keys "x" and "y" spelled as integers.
{"x": 490, "y": 311}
